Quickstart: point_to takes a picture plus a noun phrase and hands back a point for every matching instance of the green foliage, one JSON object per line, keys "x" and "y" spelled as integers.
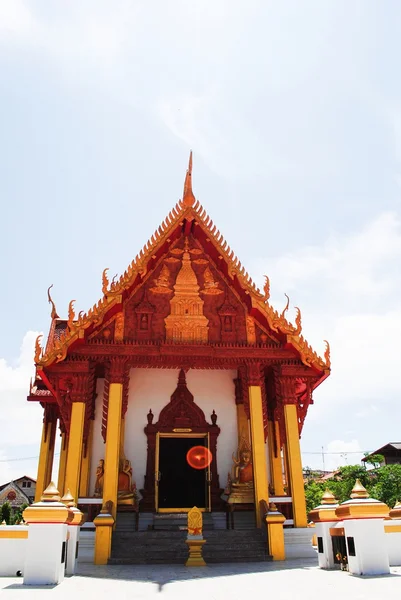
{"x": 313, "y": 494}
{"x": 17, "y": 516}
{"x": 6, "y": 513}
{"x": 374, "y": 459}
{"x": 382, "y": 483}
{"x": 387, "y": 486}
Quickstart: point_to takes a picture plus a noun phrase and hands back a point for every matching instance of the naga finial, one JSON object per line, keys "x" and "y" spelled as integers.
{"x": 38, "y": 349}
{"x": 298, "y": 321}
{"x": 282, "y": 316}
{"x": 266, "y": 289}
{"x": 71, "y": 314}
{"x": 327, "y": 354}
{"x": 105, "y": 281}
{"x": 53, "y": 314}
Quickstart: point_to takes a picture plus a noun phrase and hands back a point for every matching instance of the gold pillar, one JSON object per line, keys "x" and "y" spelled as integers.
{"x": 86, "y": 464}
{"x": 63, "y": 463}
{"x": 295, "y": 475}
{"x": 74, "y": 456}
{"x": 258, "y": 440}
{"x": 45, "y": 466}
{"x": 276, "y": 467}
{"x": 113, "y": 441}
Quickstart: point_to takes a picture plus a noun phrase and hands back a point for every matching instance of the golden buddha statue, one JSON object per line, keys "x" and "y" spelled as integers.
{"x": 126, "y": 490}
{"x": 240, "y": 482}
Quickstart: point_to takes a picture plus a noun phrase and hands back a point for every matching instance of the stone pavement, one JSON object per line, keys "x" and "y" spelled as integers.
{"x": 295, "y": 580}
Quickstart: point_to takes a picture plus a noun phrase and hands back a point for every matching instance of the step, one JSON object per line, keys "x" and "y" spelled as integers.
{"x": 168, "y": 547}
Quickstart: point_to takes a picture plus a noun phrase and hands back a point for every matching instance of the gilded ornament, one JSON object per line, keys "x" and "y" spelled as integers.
{"x": 266, "y": 289}
{"x": 162, "y": 282}
{"x": 211, "y": 287}
{"x": 250, "y": 330}
{"x": 53, "y": 314}
{"x": 282, "y": 316}
{"x": 200, "y": 261}
{"x": 186, "y": 321}
{"x": 298, "y": 322}
{"x": 327, "y": 354}
{"x": 71, "y": 315}
{"x": 105, "y": 281}
{"x": 119, "y": 328}
{"x": 358, "y": 491}
{"x": 195, "y": 521}
{"x": 38, "y": 349}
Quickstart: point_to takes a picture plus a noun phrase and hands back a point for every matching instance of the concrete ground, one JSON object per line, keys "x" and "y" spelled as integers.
{"x": 295, "y": 580}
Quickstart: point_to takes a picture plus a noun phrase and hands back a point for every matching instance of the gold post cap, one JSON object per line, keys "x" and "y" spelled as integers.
{"x": 273, "y": 507}
{"x": 3, "y": 522}
{"x": 358, "y": 491}
{"x": 395, "y": 513}
{"x": 51, "y": 494}
{"x": 328, "y": 497}
{"x": 68, "y": 499}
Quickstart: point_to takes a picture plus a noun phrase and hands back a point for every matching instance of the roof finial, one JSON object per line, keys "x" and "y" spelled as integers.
{"x": 188, "y": 197}
{"x": 53, "y": 314}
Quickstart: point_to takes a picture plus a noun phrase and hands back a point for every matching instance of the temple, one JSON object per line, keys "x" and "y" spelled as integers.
{"x": 182, "y": 353}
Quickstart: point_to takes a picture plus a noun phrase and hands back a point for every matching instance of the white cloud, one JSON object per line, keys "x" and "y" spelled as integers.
{"x": 348, "y": 291}
{"x": 20, "y": 420}
{"x": 340, "y": 453}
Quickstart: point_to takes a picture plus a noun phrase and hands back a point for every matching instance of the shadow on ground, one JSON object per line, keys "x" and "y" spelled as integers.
{"x": 162, "y": 575}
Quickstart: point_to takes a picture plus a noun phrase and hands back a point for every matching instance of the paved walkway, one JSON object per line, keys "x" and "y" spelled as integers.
{"x": 292, "y": 580}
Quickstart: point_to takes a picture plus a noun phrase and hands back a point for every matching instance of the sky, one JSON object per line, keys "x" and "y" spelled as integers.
{"x": 293, "y": 112}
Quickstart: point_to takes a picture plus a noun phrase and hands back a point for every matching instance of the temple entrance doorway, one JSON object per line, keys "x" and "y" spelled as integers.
{"x": 179, "y": 486}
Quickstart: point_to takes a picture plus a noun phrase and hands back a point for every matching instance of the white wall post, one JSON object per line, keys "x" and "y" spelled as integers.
{"x": 46, "y": 549}
{"x": 74, "y": 528}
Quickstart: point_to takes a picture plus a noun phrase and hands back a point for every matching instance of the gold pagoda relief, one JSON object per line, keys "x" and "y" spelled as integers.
{"x": 186, "y": 321}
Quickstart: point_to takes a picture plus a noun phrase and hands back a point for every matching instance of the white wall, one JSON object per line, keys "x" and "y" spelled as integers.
{"x": 12, "y": 551}
{"x": 98, "y": 446}
{"x": 152, "y": 389}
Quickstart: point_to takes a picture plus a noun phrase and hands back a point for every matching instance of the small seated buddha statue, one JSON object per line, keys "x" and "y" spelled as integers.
{"x": 126, "y": 490}
{"x": 240, "y": 484}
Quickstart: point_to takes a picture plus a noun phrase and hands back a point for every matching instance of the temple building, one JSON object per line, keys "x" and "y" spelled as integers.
{"x": 181, "y": 387}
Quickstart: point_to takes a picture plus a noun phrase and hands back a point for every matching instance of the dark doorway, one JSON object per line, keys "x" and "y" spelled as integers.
{"x": 180, "y": 485}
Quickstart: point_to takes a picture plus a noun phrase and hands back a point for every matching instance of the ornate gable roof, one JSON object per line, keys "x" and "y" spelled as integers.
{"x": 188, "y": 217}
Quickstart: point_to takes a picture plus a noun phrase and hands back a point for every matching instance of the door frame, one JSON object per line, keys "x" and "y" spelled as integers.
{"x": 208, "y": 478}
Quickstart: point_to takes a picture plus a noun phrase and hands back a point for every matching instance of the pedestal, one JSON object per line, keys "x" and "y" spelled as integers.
{"x": 46, "y": 554}
{"x": 195, "y": 558}
{"x": 366, "y": 547}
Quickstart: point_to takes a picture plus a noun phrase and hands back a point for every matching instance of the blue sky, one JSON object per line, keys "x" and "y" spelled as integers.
{"x": 293, "y": 112}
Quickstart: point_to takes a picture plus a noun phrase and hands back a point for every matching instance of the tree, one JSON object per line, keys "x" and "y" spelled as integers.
{"x": 387, "y": 486}
{"x": 382, "y": 483}
{"x": 6, "y": 513}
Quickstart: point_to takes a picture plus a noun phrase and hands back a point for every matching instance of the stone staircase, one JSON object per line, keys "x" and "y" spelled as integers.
{"x": 161, "y": 540}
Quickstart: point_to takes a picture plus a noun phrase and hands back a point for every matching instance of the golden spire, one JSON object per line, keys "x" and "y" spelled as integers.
{"x": 188, "y": 197}
{"x": 358, "y": 491}
{"x": 51, "y": 494}
{"x": 68, "y": 499}
{"x": 328, "y": 497}
{"x": 53, "y": 314}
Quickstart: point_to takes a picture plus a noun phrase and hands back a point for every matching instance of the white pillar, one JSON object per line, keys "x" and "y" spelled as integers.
{"x": 47, "y": 539}
{"x": 324, "y": 517}
{"x": 74, "y": 528}
{"x": 363, "y": 519}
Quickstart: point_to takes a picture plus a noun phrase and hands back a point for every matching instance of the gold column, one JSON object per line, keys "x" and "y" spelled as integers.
{"x": 295, "y": 474}
{"x": 276, "y": 467}
{"x": 74, "y": 456}
{"x": 46, "y": 454}
{"x": 258, "y": 439}
{"x": 63, "y": 463}
{"x": 113, "y": 435}
{"x": 86, "y": 463}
